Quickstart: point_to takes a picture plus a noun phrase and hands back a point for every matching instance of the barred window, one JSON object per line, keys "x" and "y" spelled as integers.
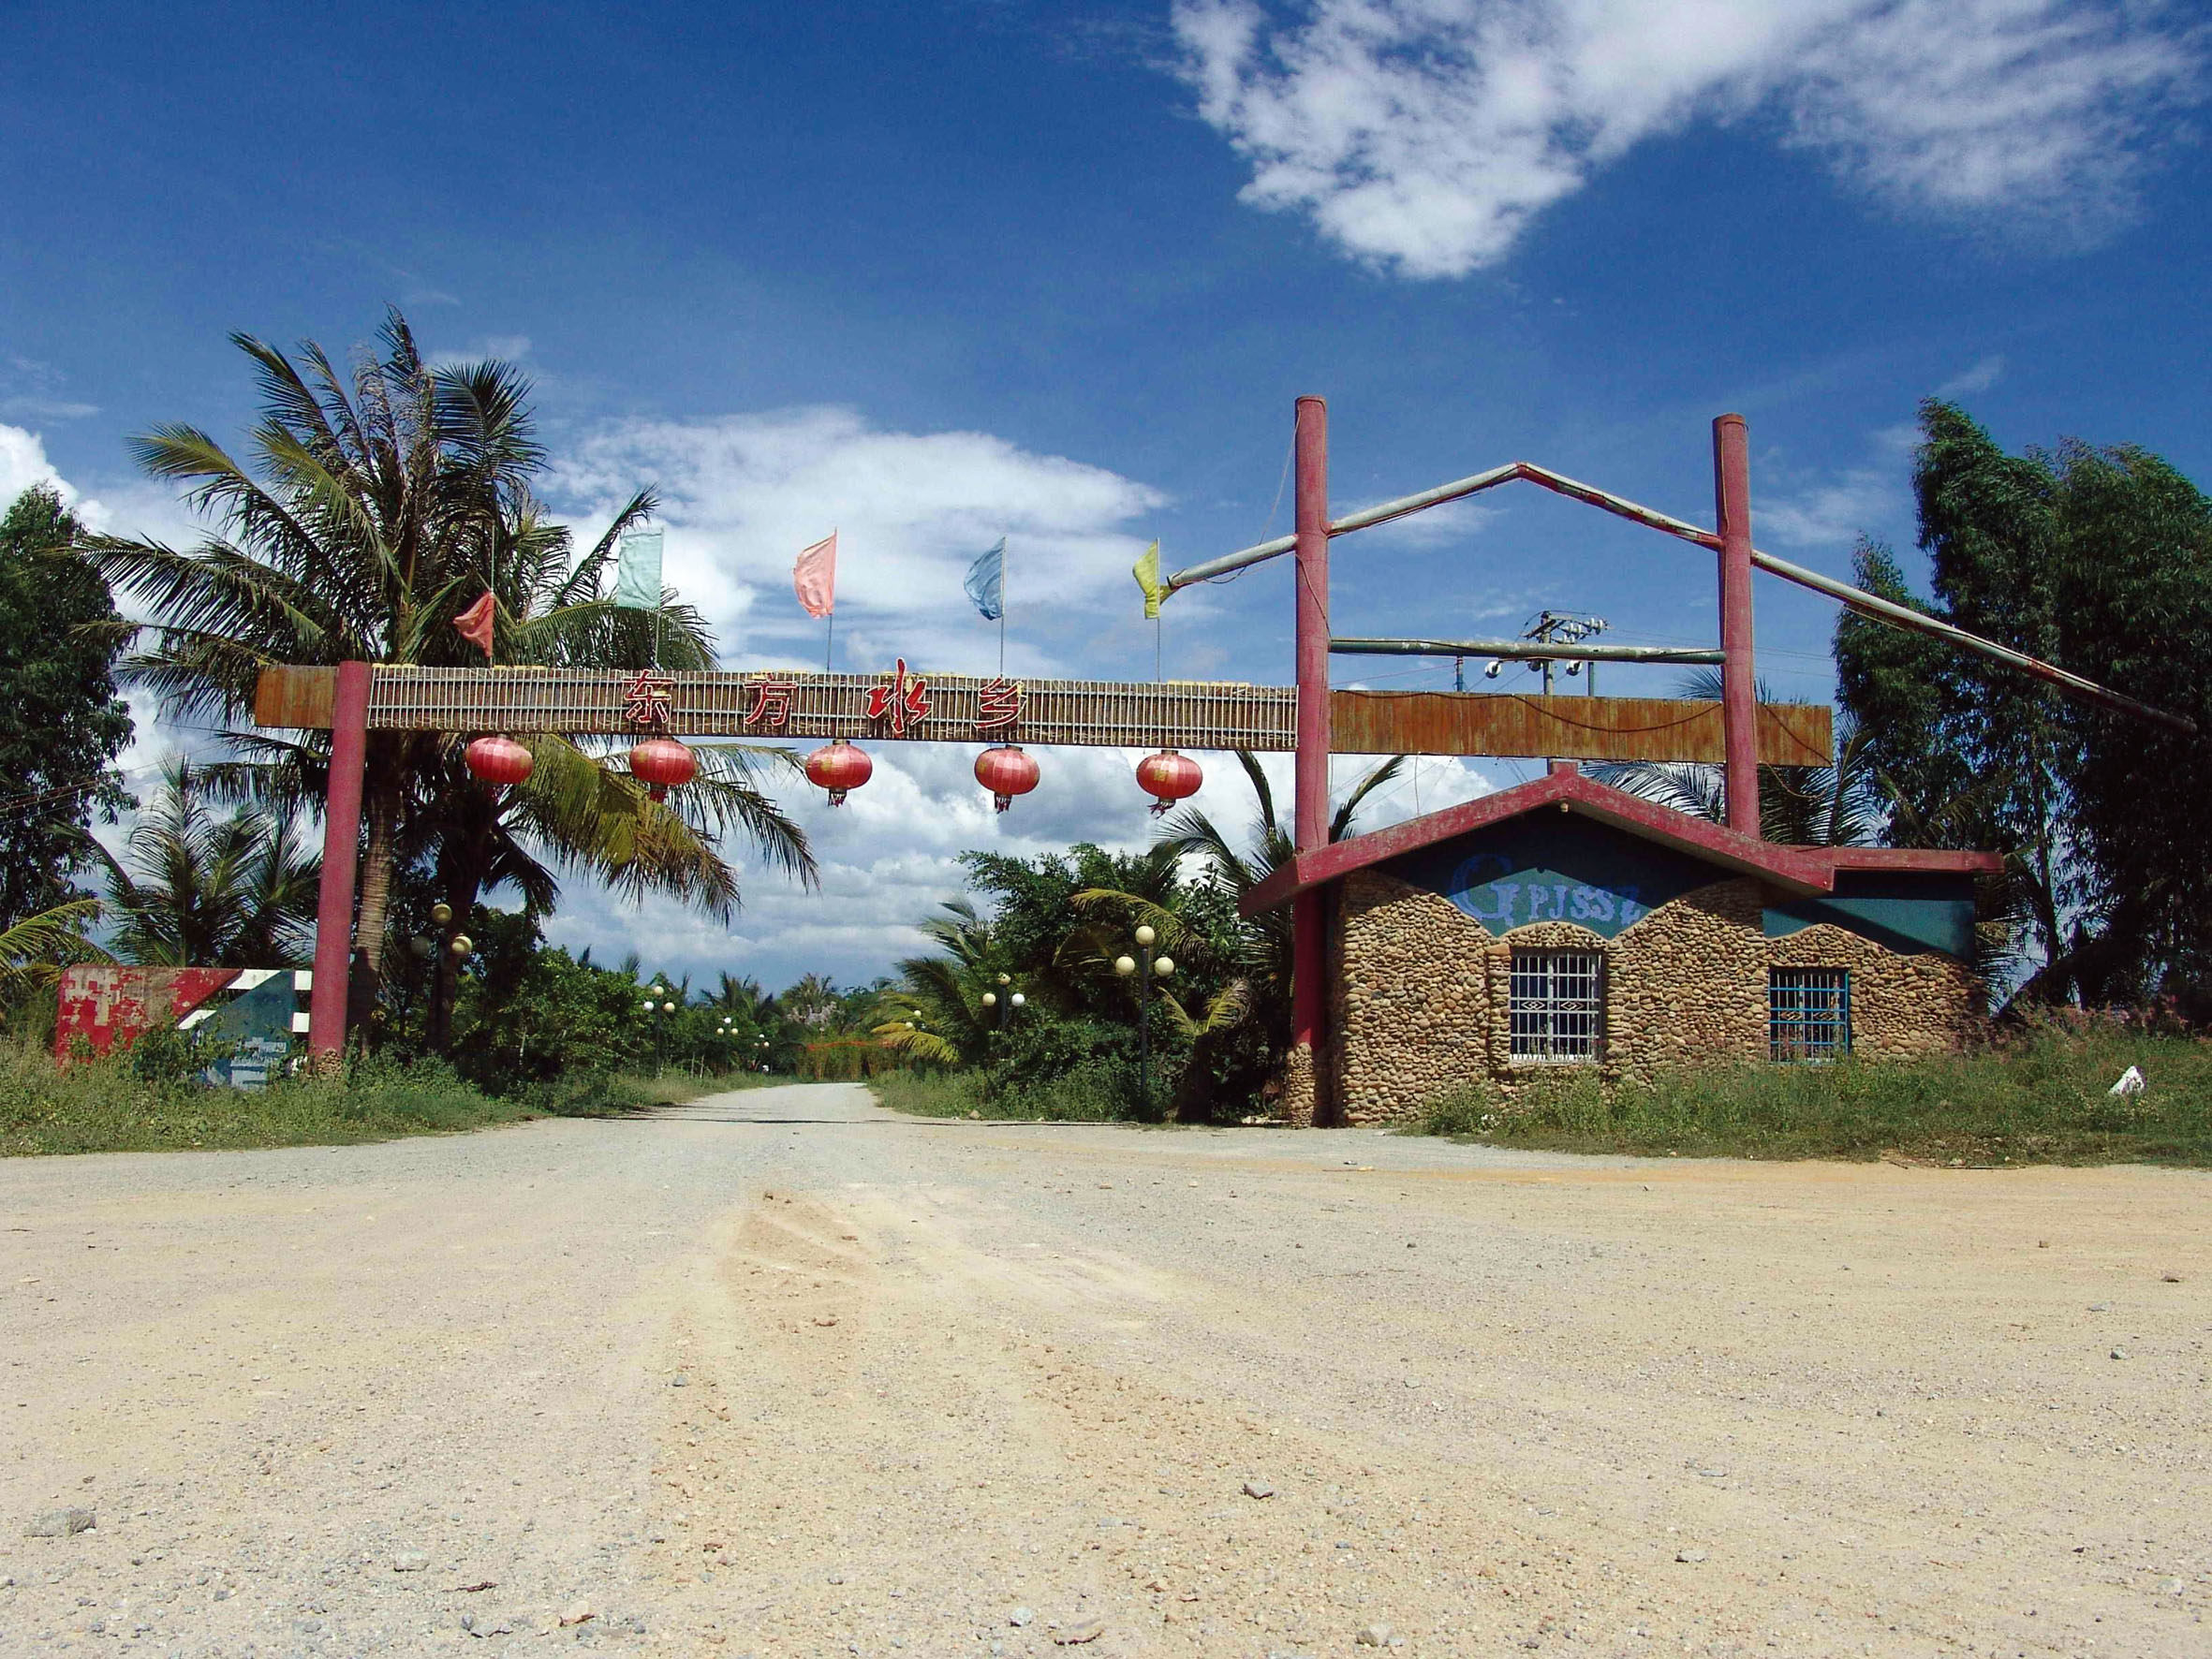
{"x": 1556, "y": 1010}
{"x": 1809, "y": 1013}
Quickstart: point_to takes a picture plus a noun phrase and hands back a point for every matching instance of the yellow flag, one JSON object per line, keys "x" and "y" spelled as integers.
{"x": 1146, "y": 571}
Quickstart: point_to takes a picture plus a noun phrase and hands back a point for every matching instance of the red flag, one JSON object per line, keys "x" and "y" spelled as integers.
{"x": 475, "y": 624}
{"x": 815, "y": 576}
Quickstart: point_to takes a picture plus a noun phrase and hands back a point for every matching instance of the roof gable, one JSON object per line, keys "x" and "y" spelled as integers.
{"x": 1796, "y": 870}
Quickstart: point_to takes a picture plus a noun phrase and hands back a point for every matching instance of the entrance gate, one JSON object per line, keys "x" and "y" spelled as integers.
{"x": 1308, "y": 719}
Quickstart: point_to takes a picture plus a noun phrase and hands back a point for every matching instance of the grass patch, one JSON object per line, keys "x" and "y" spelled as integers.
{"x": 127, "y": 1105}
{"x": 1084, "y": 1094}
{"x": 2041, "y": 1098}
{"x": 106, "y": 1106}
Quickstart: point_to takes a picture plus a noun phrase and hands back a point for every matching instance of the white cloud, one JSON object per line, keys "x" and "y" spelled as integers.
{"x": 890, "y": 855}
{"x": 1422, "y": 136}
{"x": 742, "y": 495}
{"x": 1832, "y": 514}
{"x": 1980, "y": 378}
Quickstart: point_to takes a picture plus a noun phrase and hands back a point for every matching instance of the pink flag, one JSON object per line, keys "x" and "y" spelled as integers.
{"x": 475, "y": 624}
{"x": 815, "y": 576}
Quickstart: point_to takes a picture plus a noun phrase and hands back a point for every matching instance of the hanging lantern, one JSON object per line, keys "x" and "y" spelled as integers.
{"x": 1168, "y": 777}
{"x": 1006, "y": 771}
{"x": 840, "y": 768}
{"x": 499, "y": 760}
{"x": 662, "y": 764}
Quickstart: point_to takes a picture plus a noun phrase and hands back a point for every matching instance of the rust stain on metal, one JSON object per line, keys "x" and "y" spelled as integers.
{"x": 299, "y": 698}
{"x": 1569, "y": 728}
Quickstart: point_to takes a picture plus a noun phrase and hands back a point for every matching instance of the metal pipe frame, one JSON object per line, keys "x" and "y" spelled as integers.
{"x": 1866, "y": 604}
{"x": 1526, "y": 651}
{"x": 1902, "y": 616}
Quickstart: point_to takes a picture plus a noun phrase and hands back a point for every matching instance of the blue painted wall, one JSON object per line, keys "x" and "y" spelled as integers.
{"x": 1549, "y": 866}
{"x": 1554, "y": 867}
{"x": 1906, "y": 913}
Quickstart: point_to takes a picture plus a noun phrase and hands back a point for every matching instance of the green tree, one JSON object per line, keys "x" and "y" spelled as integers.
{"x": 203, "y": 888}
{"x": 64, "y": 722}
{"x": 2101, "y": 561}
{"x": 376, "y": 509}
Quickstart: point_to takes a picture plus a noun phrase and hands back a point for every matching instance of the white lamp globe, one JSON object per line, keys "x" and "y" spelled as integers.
{"x": 990, "y": 999}
{"x": 1146, "y": 936}
{"x": 1163, "y": 965}
{"x": 1019, "y": 999}
{"x": 1125, "y": 965}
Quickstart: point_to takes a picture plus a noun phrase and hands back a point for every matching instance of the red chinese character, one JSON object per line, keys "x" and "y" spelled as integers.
{"x": 772, "y": 704}
{"x": 901, "y": 703}
{"x": 648, "y": 700}
{"x": 999, "y": 704}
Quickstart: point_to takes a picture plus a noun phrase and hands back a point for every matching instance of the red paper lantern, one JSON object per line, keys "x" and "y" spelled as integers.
{"x": 662, "y": 764}
{"x": 1168, "y": 777}
{"x": 1006, "y": 771}
{"x": 840, "y": 768}
{"x": 499, "y": 760}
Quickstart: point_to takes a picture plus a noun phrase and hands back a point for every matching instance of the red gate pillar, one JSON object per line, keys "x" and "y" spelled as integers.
{"x": 1307, "y": 1092}
{"x": 1739, "y": 697}
{"x": 341, "y": 855}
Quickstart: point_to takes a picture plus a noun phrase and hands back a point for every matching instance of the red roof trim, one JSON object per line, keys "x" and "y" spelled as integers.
{"x": 1803, "y": 870}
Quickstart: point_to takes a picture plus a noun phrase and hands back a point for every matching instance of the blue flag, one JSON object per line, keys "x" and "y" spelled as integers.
{"x": 986, "y": 582}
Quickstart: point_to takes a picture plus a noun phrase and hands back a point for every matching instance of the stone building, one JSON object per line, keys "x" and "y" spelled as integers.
{"x": 1564, "y": 923}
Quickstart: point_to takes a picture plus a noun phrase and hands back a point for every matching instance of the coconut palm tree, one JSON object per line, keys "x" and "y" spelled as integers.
{"x": 934, "y": 1011}
{"x": 34, "y": 951}
{"x": 1253, "y": 1008}
{"x": 376, "y": 508}
{"x": 205, "y": 888}
{"x": 1844, "y": 804}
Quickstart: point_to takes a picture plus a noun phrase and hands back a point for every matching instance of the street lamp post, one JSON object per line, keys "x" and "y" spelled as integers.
{"x": 1153, "y": 967}
{"x": 655, "y": 1011}
{"x": 1005, "y": 1005}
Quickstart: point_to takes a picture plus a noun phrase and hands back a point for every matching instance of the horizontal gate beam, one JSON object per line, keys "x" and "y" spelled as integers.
{"x": 1509, "y": 724}
{"x": 766, "y": 707}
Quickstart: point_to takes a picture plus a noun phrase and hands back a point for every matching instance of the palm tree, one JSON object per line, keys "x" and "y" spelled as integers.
{"x": 34, "y": 951}
{"x": 377, "y": 508}
{"x": 1253, "y": 1008}
{"x": 213, "y": 891}
{"x": 934, "y": 1011}
{"x": 1844, "y": 804}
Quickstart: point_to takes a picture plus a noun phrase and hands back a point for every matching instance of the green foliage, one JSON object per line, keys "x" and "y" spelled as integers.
{"x": 2101, "y": 561}
{"x": 212, "y": 890}
{"x": 64, "y": 722}
{"x": 1090, "y": 1093}
{"x": 109, "y": 1105}
{"x": 372, "y": 509}
{"x": 2040, "y": 1097}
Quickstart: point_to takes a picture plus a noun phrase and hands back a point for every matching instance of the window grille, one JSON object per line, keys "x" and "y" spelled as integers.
{"x": 1809, "y": 1013}
{"x": 1556, "y": 1010}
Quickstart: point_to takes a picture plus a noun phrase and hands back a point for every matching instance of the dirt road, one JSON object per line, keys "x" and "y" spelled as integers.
{"x": 779, "y": 1373}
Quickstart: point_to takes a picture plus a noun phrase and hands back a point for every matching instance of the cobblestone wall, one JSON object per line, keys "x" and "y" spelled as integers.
{"x": 1423, "y": 990}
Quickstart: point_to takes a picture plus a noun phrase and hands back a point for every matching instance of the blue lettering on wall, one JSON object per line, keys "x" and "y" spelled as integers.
{"x": 1502, "y": 895}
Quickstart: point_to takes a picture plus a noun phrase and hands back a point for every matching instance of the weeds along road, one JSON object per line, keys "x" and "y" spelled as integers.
{"x": 779, "y": 1373}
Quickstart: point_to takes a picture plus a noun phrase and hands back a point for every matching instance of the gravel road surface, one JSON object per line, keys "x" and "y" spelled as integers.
{"x": 781, "y": 1373}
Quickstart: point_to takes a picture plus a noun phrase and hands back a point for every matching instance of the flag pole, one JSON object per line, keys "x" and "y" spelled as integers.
{"x": 1003, "y": 562}
{"x": 830, "y": 647}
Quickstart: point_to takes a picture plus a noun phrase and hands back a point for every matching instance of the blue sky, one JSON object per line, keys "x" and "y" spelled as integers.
{"x": 935, "y": 273}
